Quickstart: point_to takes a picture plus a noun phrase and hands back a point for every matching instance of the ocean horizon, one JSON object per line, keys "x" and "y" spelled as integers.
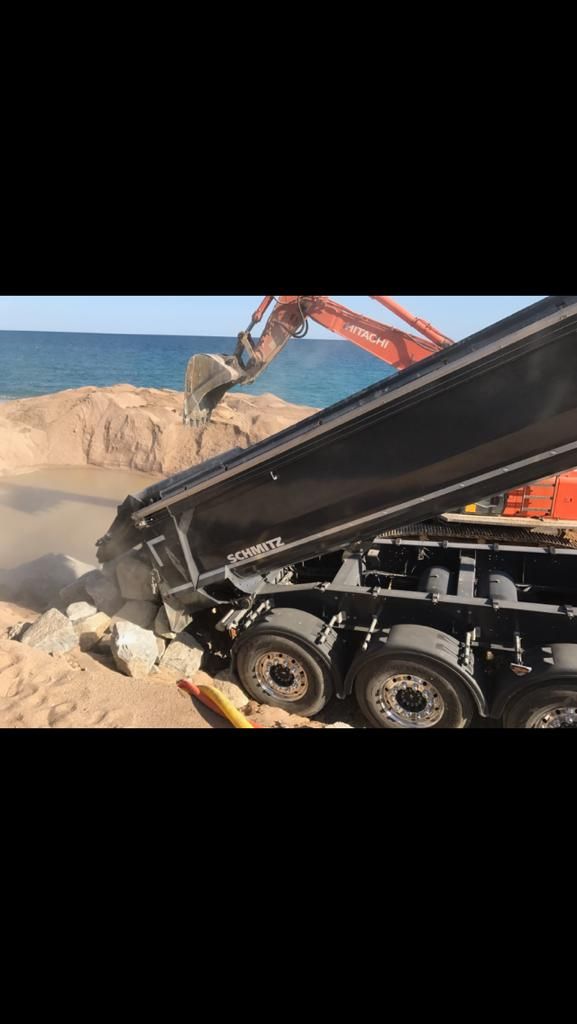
{"x": 309, "y": 371}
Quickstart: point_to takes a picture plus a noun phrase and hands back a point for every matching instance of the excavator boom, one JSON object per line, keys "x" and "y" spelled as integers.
{"x": 209, "y": 377}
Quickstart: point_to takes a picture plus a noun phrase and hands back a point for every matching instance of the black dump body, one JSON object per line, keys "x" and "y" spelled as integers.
{"x": 497, "y": 410}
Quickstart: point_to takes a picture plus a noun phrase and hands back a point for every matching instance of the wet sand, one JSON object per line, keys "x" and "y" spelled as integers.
{"x": 61, "y": 511}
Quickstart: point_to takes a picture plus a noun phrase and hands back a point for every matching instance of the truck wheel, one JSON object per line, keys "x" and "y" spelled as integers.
{"x": 277, "y": 665}
{"x": 404, "y": 693}
{"x": 547, "y": 707}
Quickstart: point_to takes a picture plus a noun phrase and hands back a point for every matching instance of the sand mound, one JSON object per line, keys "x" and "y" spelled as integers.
{"x": 131, "y": 428}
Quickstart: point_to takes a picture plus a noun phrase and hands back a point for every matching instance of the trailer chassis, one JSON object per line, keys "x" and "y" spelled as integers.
{"x": 499, "y": 617}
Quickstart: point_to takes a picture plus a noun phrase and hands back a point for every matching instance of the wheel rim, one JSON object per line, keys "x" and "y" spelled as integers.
{"x": 409, "y": 701}
{"x": 281, "y": 676}
{"x": 554, "y": 718}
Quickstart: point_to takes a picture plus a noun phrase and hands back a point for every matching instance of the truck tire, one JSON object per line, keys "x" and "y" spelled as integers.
{"x": 277, "y": 663}
{"x": 407, "y": 693}
{"x": 552, "y": 706}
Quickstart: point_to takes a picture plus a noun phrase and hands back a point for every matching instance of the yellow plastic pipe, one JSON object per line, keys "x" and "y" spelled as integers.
{"x": 225, "y": 706}
{"x": 216, "y": 701}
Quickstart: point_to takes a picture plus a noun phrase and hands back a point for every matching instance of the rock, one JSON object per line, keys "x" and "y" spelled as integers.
{"x": 339, "y": 725}
{"x": 135, "y": 579}
{"x": 52, "y": 632}
{"x": 161, "y": 645}
{"x": 142, "y": 613}
{"x": 162, "y": 625}
{"x": 80, "y": 610}
{"x": 178, "y": 619}
{"x": 17, "y": 631}
{"x": 226, "y": 683}
{"x": 104, "y": 645}
{"x": 37, "y": 584}
{"x": 134, "y": 649}
{"x": 184, "y": 655}
{"x": 90, "y": 630}
{"x": 104, "y": 592}
{"x": 226, "y": 675}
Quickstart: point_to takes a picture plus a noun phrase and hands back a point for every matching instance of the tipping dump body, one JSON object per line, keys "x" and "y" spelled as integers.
{"x": 497, "y": 410}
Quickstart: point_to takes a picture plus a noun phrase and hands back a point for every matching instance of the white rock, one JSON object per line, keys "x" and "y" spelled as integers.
{"x": 52, "y": 632}
{"x": 135, "y": 579}
{"x": 90, "y": 630}
{"x": 80, "y": 610}
{"x": 142, "y": 613}
{"x": 184, "y": 655}
{"x": 134, "y": 649}
{"x": 339, "y": 725}
{"x": 103, "y": 591}
{"x": 161, "y": 645}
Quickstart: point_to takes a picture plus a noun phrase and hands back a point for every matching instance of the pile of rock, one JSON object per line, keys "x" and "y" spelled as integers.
{"x": 118, "y": 614}
{"x": 118, "y": 611}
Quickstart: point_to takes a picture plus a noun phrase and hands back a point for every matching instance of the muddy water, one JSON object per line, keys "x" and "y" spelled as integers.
{"x": 60, "y": 511}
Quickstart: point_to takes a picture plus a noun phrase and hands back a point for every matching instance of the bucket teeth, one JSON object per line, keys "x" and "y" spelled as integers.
{"x": 208, "y": 378}
{"x": 196, "y": 420}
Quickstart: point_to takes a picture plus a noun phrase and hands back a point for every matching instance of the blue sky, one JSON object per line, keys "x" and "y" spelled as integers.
{"x": 226, "y": 315}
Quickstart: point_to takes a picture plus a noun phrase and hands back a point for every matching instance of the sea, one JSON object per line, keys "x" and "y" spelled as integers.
{"x": 308, "y": 371}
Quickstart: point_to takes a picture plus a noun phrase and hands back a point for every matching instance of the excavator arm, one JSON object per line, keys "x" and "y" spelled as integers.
{"x": 209, "y": 377}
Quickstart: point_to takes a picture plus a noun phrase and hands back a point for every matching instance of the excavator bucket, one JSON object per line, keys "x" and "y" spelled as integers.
{"x": 208, "y": 378}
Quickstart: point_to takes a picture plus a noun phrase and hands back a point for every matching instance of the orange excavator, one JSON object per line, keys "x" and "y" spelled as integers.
{"x": 210, "y": 376}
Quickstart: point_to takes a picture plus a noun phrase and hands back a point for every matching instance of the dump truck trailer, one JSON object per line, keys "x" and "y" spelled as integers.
{"x": 320, "y": 553}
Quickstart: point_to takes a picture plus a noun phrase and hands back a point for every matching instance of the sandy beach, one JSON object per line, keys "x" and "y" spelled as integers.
{"x": 66, "y": 461}
{"x": 81, "y": 691}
